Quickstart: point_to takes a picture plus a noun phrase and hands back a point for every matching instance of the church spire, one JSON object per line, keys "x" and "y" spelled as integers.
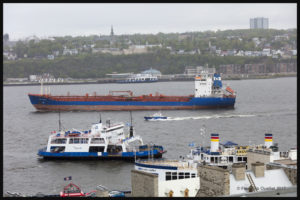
{"x": 112, "y": 31}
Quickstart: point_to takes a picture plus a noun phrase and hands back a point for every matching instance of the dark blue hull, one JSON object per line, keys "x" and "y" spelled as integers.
{"x": 49, "y": 103}
{"x": 104, "y": 155}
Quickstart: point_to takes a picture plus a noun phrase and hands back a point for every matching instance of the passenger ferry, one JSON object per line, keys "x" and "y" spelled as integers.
{"x": 221, "y": 156}
{"x": 176, "y": 178}
{"x": 226, "y": 154}
{"x": 140, "y": 78}
{"x": 100, "y": 142}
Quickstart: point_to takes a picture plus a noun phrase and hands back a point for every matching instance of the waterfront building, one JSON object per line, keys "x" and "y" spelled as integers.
{"x": 165, "y": 178}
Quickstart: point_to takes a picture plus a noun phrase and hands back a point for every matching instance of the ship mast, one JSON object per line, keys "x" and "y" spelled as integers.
{"x": 131, "y": 128}
{"x": 59, "y": 123}
{"x": 41, "y": 86}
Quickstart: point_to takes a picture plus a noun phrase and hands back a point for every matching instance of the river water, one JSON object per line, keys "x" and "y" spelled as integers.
{"x": 262, "y": 105}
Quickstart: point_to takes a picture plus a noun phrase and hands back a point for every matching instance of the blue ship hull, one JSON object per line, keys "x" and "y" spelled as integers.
{"x": 104, "y": 155}
{"x": 49, "y": 103}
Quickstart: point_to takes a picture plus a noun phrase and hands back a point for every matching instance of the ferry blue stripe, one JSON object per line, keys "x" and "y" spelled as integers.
{"x": 95, "y": 154}
{"x": 156, "y": 166}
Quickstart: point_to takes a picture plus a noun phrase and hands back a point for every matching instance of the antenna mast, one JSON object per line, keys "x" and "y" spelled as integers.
{"x": 59, "y": 123}
{"x": 131, "y": 128}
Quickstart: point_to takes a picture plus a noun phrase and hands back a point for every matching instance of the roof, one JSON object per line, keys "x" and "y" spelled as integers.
{"x": 228, "y": 143}
{"x": 151, "y": 71}
{"x": 272, "y": 180}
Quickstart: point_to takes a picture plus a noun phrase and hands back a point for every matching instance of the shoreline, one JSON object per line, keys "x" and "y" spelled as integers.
{"x": 105, "y": 81}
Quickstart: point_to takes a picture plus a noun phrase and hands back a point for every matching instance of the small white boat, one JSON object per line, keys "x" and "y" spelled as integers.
{"x": 155, "y": 116}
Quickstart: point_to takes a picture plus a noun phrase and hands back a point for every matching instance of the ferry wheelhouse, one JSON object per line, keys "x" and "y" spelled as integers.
{"x": 100, "y": 142}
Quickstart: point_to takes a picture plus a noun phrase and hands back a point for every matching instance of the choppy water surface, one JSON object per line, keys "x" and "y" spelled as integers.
{"x": 267, "y": 105}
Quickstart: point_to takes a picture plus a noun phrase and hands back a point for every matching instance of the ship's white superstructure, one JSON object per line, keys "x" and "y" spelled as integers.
{"x": 210, "y": 85}
{"x": 216, "y": 155}
{"x": 228, "y": 153}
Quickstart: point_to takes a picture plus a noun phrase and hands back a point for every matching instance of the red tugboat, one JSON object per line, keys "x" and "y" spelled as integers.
{"x": 72, "y": 190}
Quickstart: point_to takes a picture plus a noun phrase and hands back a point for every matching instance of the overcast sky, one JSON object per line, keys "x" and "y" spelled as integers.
{"x": 44, "y": 19}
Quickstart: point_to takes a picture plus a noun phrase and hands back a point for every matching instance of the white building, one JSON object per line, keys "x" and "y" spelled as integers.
{"x": 70, "y": 51}
{"x": 50, "y": 57}
{"x": 266, "y": 52}
{"x": 175, "y": 178}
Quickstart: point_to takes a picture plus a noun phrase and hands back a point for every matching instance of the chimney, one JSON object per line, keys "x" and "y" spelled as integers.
{"x": 258, "y": 169}
{"x": 268, "y": 140}
{"x": 238, "y": 171}
{"x": 214, "y": 142}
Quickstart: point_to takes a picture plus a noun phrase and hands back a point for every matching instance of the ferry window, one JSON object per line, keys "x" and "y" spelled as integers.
{"x": 174, "y": 175}
{"x": 58, "y": 141}
{"x": 245, "y": 159}
{"x": 168, "y": 176}
{"x": 230, "y": 159}
{"x": 84, "y": 140}
{"x": 239, "y": 158}
{"x": 186, "y": 175}
{"x": 97, "y": 141}
{"x": 54, "y": 149}
{"x": 76, "y": 140}
{"x": 193, "y": 175}
{"x": 181, "y": 175}
{"x": 96, "y": 149}
{"x": 71, "y": 141}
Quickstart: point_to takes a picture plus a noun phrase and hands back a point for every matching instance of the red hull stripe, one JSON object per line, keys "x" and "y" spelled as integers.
{"x": 117, "y": 108}
{"x": 214, "y": 137}
{"x": 268, "y": 137}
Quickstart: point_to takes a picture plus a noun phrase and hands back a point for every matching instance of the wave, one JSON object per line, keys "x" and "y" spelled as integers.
{"x": 203, "y": 117}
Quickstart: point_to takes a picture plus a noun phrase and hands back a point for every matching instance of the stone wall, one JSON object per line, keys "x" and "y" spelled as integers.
{"x": 291, "y": 173}
{"x": 144, "y": 184}
{"x": 214, "y": 181}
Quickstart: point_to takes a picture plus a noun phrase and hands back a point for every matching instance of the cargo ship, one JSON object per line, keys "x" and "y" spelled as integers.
{"x": 209, "y": 93}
